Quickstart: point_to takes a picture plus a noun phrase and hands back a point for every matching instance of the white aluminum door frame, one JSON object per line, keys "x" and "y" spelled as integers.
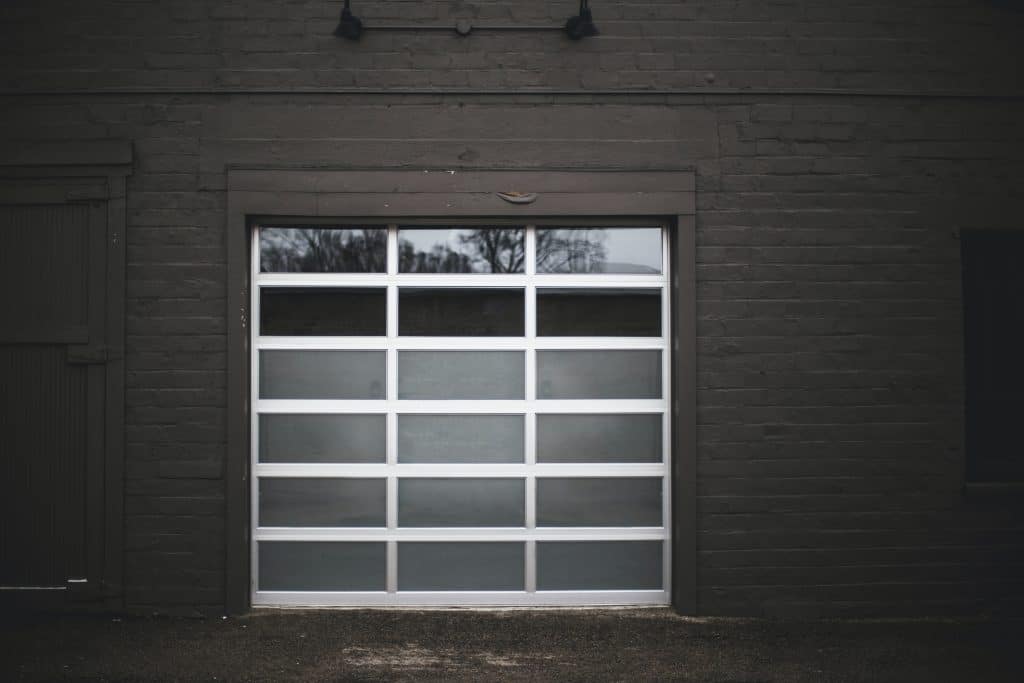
{"x": 530, "y": 407}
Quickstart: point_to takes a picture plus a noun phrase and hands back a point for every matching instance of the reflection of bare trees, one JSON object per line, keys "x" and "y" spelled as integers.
{"x": 477, "y": 250}
{"x": 501, "y": 248}
{"x": 323, "y": 250}
{"x": 579, "y": 250}
{"x": 480, "y": 250}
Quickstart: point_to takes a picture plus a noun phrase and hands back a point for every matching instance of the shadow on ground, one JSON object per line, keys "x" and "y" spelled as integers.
{"x": 626, "y": 645}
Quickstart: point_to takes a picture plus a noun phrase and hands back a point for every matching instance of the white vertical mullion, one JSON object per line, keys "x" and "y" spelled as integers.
{"x": 531, "y": 250}
{"x": 254, "y": 383}
{"x": 666, "y": 416}
{"x": 392, "y": 250}
{"x": 391, "y": 482}
{"x": 530, "y": 418}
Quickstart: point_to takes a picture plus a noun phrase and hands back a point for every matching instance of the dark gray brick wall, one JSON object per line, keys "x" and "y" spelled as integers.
{"x": 829, "y": 379}
{"x": 935, "y": 45}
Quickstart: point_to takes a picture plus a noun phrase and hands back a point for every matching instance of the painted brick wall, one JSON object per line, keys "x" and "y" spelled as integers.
{"x": 918, "y": 44}
{"x": 829, "y": 334}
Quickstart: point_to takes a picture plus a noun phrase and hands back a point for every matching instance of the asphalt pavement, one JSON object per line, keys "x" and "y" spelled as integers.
{"x": 469, "y": 645}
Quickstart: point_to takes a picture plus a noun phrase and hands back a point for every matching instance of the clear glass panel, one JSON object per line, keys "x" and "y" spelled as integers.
{"x": 461, "y": 567}
{"x": 449, "y": 312}
{"x": 599, "y": 438}
{"x": 599, "y": 374}
{"x": 461, "y": 502}
{"x": 585, "y": 312}
{"x": 322, "y": 502}
{"x": 324, "y": 311}
{"x": 461, "y": 250}
{"x": 599, "y": 250}
{"x": 322, "y": 566}
{"x": 322, "y": 374}
{"x": 599, "y": 565}
{"x": 308, "y": 249}
{"x": 593, "y": 501}
{"x": 460, "y": 438}
{"x": 461, "y": 375}
{"x": 322, "y": 438}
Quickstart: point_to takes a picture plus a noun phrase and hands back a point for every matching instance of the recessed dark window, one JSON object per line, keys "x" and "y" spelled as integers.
{"x": 993, "y": 284}
{"x": 323, "y": 250}
{"x": 586, "y": 312}
{"x": 323, "y": 311}
{"x": 461, "y": 250}
{"x": 460, "y": 312}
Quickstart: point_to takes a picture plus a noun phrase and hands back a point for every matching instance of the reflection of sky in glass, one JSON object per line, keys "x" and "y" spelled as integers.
{"x": 427, "y": 240}
{"x": 599, "y": 250}
{"x": 461, "y": 250}
{"x": 633, "y": 246}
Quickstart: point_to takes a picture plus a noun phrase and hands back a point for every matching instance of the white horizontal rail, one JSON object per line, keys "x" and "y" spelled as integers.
{"x": 459, "y": 343}
{"x": 464, "y": 534}
{"x": 480, "y": 599}
{"x": 465, "y": 280}
{"x": 477, "y": 407}
{"x": 459, "y": 470}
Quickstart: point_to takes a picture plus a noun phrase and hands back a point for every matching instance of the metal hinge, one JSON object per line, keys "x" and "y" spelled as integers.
{"x": 89, "y": 354}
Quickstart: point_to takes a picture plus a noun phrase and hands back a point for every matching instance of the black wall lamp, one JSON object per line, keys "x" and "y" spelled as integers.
{"x": 579, "y": 26}
{"x": 350, "y": 26}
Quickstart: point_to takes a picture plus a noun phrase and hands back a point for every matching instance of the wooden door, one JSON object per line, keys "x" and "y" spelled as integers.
{"x": 53, "y": 384}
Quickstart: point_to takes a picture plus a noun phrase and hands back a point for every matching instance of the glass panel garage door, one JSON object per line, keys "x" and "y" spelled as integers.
{"x": 460, "y": 414}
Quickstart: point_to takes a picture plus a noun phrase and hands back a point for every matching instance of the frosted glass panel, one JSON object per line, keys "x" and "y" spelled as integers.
{"x": 461, "y": 375}
{"x": 322, "y": 374}
{"x": 461, "y": 566}
{"x": 321, "y": 566}
{"x": 621, "y": 501}
{"x": 322, "y": 502}
{"x": 599, "y": 374}
{"x": 322, "y": 438}
{"x": 460, "y": 438}
{"x": 599, "y": 438}
{"x": 599, "y": 565}
{"x": 461, "y": 502}
{"x": 599, "y": 250}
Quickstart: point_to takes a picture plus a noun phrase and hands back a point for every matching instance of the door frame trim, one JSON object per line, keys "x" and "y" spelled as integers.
{"x": 381, "y": 193}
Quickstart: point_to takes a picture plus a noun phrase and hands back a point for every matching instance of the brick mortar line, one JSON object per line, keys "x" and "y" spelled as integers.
{"x": 690, "y": 92}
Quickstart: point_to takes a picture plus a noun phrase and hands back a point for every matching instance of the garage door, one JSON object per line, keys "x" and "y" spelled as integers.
{"x": 460, "y": 414}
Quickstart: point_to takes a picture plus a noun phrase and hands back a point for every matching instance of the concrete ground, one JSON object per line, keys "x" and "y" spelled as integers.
{"x": 616, "y": 645}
